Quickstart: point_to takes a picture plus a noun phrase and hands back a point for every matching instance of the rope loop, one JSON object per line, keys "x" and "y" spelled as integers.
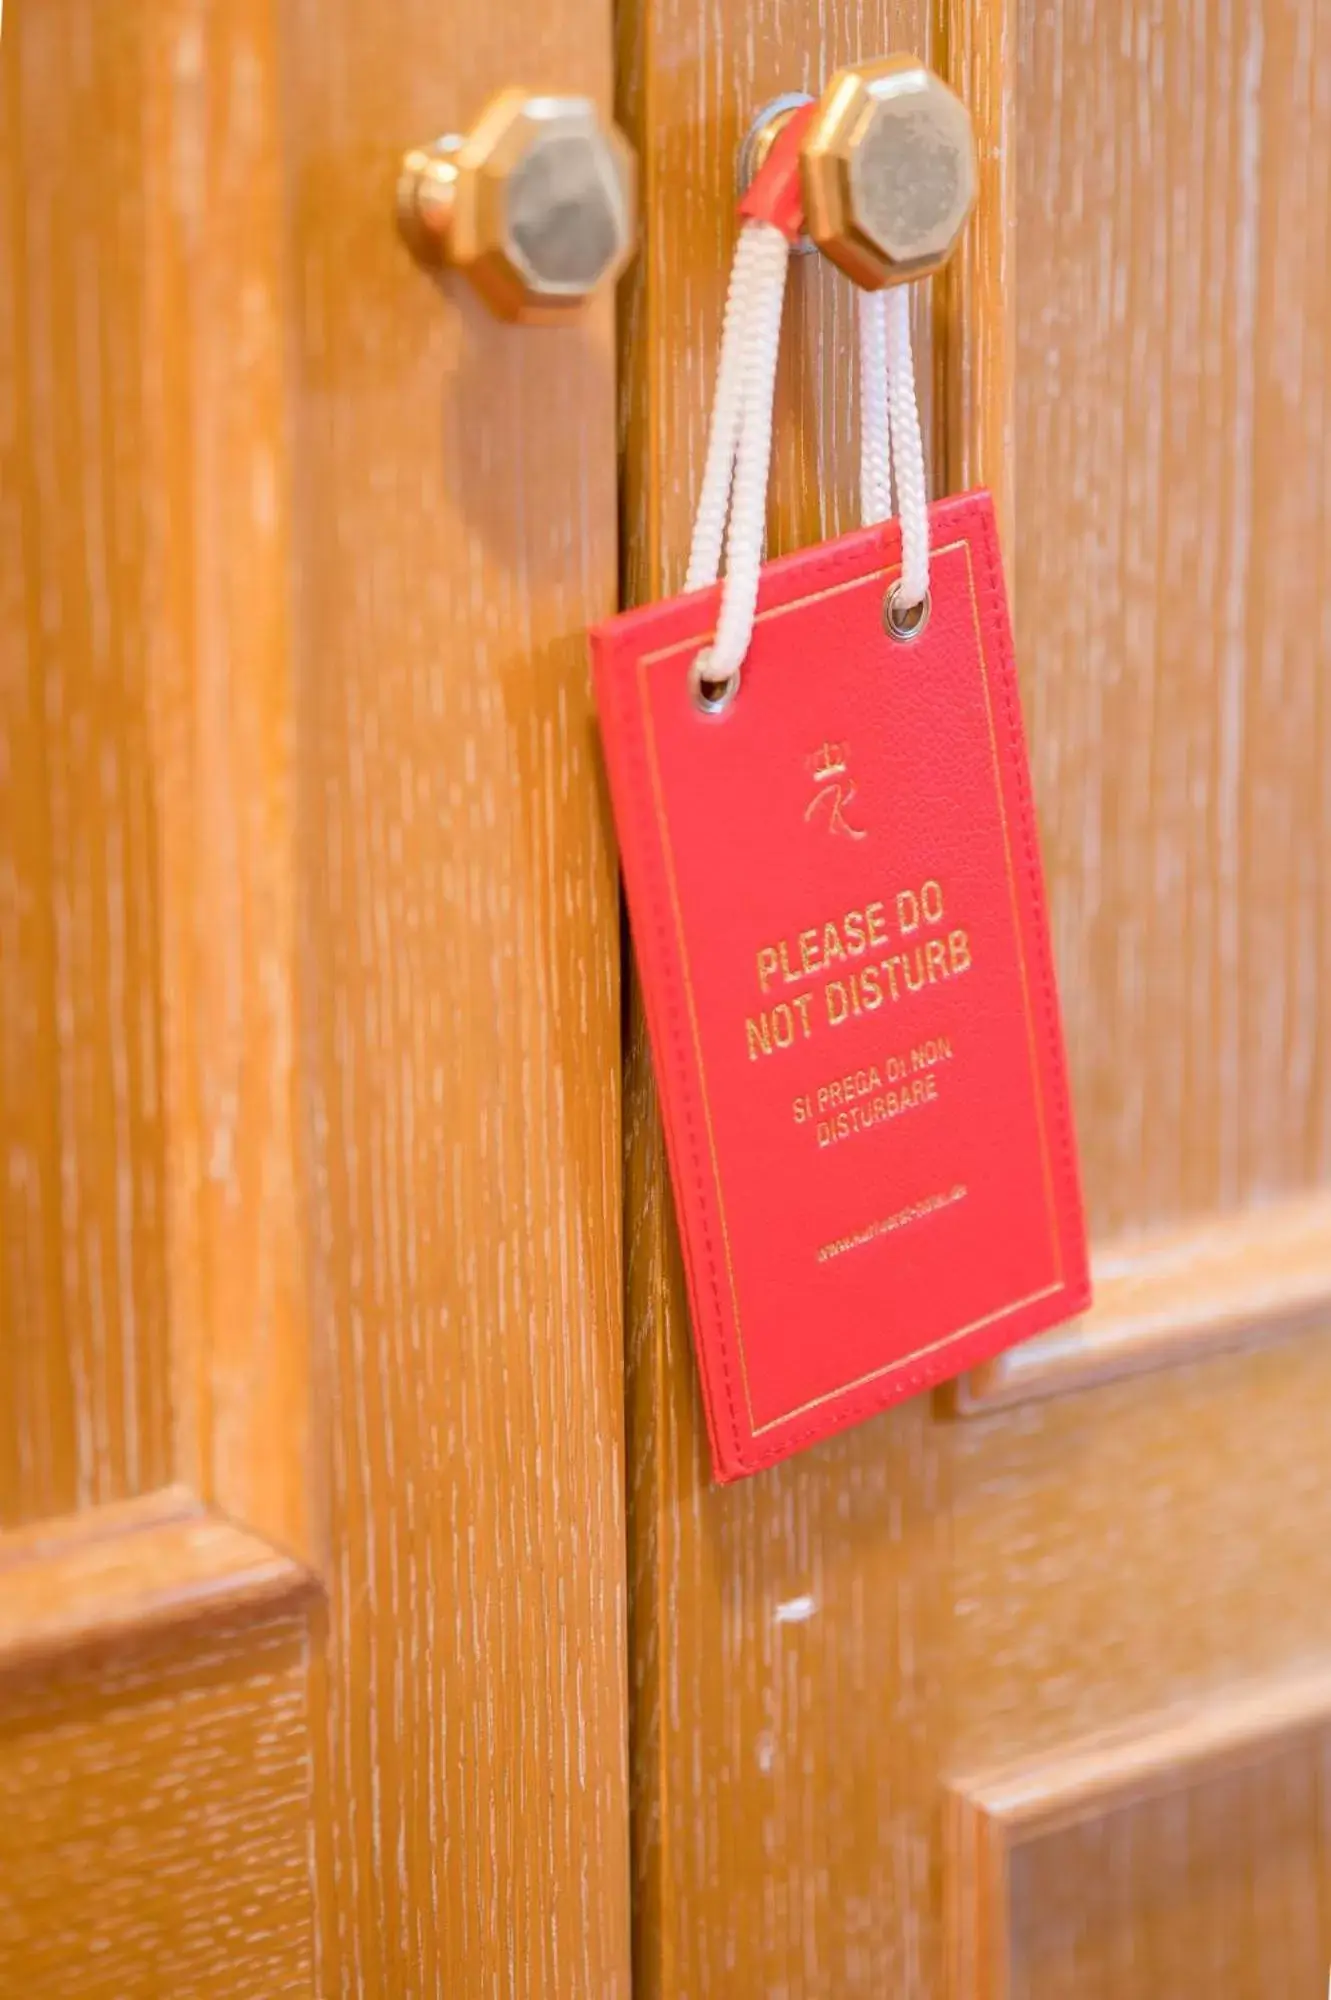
{"x": 732, "y": 508}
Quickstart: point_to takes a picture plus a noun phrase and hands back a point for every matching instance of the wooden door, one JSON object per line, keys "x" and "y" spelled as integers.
{"x": 1026, "y": 1690}
{"x": 313, "y": 1649}
{"x": 312, "y": 1574}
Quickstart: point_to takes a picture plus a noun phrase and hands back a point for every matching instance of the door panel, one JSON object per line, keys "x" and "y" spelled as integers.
{"x": 1185, "y": 1855}
{"x": 154, "y": 1759}
{"x": 83, "y": 1282}
{"x": 1172, "y": 565}
{"x": 456, "y": 498}
{"x": 153, "y": 1317}
{"x": 1099, "y": 1566}
{"x": 312, "y": 1595}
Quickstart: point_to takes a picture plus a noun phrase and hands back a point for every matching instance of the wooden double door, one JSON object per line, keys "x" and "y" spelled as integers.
{"x": 368, "y": 1624}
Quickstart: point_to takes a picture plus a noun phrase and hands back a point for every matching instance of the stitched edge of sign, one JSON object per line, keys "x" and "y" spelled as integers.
{"x": 651, "y": 858}
{"x": 744, "y": 1456}
{"x": 747, "y": 1456}
{"x": 910, "y": 1377}
{"x": 1019, "y": 766}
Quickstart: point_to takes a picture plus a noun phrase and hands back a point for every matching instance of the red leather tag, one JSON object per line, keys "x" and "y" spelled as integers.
{"x": 838, "y": 912}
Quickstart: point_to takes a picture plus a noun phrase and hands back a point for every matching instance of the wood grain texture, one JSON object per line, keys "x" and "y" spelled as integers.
{"x": 309, "y": 1081}
{"x": 1169, "y": 1296}
{"x": 975, "y": 324}
{"x": 457, "y": 529}
{"x": 1184, "y": 1852}
{"x": 1173, "y": 353}
{"x": 1137, "y": 1547}
{"x": 816, "y": 1651}
{"x": 155, "y": 1795}
{"x": 767, "y": 1679}
{"x": 151, "y": 1316}
{"x": 84, "y": 1366}
{"x": 225, "y": 790}
{"x": 86, "y": 1583}
{"x": 1219, "y": 1891}
{"x": 156, "y": 1814}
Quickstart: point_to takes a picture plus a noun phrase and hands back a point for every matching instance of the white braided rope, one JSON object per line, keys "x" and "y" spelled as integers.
{"x": 732, "y": 510}
{"x": 746, "y": 385}
{"x": 709, "y": 527}
{"x": 746, "y": 533}
{"x": 907, "y": 453}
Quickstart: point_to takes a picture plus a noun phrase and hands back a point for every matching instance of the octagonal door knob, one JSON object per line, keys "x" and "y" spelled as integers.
{"x": 536, "y": 205}
{"x": 888, "y": 171}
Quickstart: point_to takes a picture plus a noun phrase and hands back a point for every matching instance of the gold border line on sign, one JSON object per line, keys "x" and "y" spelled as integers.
{"x": 663, "y": 830}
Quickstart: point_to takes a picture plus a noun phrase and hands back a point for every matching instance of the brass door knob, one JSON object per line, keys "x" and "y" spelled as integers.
{"x": 537, "y": 204}
{"x": 888, "y": 168}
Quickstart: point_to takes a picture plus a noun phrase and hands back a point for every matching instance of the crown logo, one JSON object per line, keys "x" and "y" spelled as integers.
{"x": 834, "y": 788}
{"x": 828, "y": 762}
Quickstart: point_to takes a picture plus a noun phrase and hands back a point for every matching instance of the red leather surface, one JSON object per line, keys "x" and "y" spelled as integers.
{"x": 863, "y": 808}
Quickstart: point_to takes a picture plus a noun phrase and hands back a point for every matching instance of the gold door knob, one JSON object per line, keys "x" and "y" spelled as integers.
{"x": 888, "y": 168}
{"x": 536, "y": 204}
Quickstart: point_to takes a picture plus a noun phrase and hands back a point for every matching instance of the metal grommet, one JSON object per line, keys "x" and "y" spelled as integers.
{"x": 905, "y": 624}
{"x": 713, "y": 697}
